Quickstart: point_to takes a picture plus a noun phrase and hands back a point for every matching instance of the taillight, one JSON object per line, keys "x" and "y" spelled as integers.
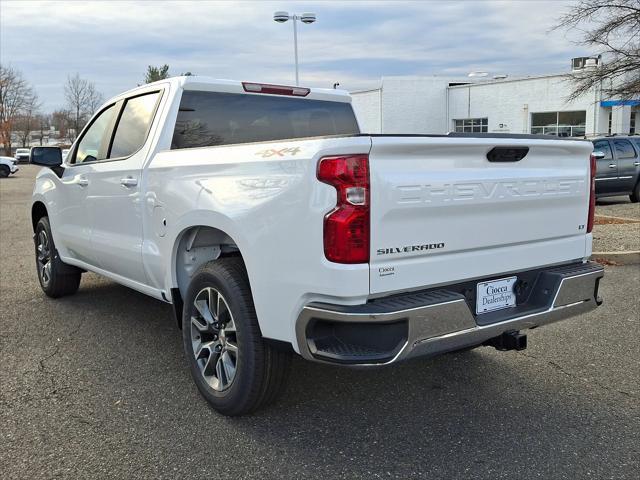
{"x": 346, "y": 227}
{"x": 592, "y": 194}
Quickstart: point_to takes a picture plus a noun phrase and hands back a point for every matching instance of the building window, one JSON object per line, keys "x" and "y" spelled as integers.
{"x": 478, "y": 125}
{"x": 559, "y": 124}
{"x": 610, "y": 122}
{"x": 632, "y": 123}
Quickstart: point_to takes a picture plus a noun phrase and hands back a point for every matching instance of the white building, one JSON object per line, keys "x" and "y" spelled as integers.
{"x": 536, "y": 104}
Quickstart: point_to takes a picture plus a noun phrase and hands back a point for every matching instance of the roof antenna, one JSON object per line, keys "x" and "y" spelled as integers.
{"x": 336, "y": 85}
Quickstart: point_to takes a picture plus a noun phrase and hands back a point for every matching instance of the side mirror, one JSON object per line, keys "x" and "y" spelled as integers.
{"x": 598, "y": 155}
{"x": 46, "y": 156}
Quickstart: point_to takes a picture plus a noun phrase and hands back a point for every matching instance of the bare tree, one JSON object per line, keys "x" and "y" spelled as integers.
{"x": 15, "y": 93}
{"x": 82, "y": 100}
{"x": 612, "y": 27}
{"x": 43, "y": 122}
{"x": 26, "y": 121}
{"x": 62, "y": 121}
{"x": 95, "y": 100}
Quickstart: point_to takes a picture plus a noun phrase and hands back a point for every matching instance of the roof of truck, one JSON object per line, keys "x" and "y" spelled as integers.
{"x": 202, "y": 83}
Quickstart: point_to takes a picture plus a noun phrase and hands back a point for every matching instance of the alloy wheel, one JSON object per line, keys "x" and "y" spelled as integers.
{"x": 213, "y": 339}
{"x": 43, "y": 248}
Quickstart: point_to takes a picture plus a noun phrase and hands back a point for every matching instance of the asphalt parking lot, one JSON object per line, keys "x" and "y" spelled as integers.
{"x": 95, "y": 385}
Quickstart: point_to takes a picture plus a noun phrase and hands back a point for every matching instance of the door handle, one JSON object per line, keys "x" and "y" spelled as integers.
{"x": 82, "y": 181}
{"x": 636, "y": 164}
{"x": 612, "y": 165}
{"x": 129, "y": 182}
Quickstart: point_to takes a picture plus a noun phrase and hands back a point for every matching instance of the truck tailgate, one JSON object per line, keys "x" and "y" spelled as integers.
{"x": 442, "y": 212}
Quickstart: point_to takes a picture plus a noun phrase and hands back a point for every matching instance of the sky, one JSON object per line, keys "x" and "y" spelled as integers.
{"x": 354, "y": 43}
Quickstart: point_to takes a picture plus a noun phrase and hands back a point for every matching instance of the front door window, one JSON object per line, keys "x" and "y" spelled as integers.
{"x": 95, "y": 141}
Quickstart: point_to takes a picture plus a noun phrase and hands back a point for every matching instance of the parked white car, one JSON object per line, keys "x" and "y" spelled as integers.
{"x": 22, "y": 155}
{"x": 8, "y": 166}
{"x": 273, "y": 225}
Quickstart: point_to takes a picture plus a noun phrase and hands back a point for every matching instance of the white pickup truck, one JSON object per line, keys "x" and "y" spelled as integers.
{"x": 274, "y": 226}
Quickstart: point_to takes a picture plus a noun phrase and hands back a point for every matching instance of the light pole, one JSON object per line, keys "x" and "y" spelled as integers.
{"x": 282, "y": 17}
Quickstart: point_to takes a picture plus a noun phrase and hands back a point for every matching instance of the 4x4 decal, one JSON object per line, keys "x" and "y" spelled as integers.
{"x": 272, "y": 152}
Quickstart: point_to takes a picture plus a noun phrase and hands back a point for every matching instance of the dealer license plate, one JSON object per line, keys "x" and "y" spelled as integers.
{"x": 495, "y": 295}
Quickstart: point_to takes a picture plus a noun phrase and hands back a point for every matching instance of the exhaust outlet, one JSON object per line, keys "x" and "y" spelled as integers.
{"x": 512, "y": 340}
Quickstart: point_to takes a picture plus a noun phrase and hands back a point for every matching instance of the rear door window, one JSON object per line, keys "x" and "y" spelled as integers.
{"x": 211, "y": 118}
{"x": 133, "y": 125}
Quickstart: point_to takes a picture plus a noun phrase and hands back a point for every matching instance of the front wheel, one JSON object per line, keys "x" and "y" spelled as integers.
{"x": 57, "y": 279}
{"x": 235, "y": 370}
{"x": 4, "y": 171}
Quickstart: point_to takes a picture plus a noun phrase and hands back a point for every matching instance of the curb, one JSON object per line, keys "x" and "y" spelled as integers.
{"x": 620, "y": 258}
{"x": 626, "y": 219}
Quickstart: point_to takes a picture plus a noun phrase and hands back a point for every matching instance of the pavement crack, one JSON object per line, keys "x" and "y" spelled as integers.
{"x": 561, "y": 369}
{"x": 48, "y": 373}
{"x": 54, "y": 388}
{"x": 85, "y": 421}
{"x": 41, "y": 362}
{"x": 528, "y": 355}
{"x": 76, "y": 329}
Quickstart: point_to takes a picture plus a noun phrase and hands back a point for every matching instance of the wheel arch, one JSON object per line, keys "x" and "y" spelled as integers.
{"x": 193, "y": 247}
{"x": 38, "y": 210}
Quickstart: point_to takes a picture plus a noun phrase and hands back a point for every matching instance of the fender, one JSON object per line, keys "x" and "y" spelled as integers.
{"x": 46, "y": 191}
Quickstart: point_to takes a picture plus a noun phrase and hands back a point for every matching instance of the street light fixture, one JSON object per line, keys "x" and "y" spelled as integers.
{"x": 307, "y": 18}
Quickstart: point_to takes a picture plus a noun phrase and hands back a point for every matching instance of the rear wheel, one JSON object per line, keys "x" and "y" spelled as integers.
{"x": 635, "y": 195}
{"x": 57, "y": 279}
{"x": 235, "y": 370}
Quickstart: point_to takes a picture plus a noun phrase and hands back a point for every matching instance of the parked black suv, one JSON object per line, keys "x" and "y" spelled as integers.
{"x": 618, "y": 166}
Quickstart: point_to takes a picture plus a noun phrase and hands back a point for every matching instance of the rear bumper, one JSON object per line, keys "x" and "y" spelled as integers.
{"x": 431, "y": 322}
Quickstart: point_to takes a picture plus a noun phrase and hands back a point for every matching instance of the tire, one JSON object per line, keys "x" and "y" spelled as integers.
{"x": 4, "y": 171}
{"x": 235, "y": 370}
{"x": 635, "y": 195}
{"x": 56, "y": 278}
